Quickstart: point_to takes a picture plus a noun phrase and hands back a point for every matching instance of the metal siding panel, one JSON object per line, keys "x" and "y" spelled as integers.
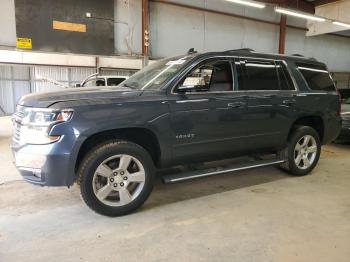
{"x": 54, "y": 72}
{"x": 207, "y": 31}
{"x": 171, "y": 24}
{"x": 20, "y": 72}
{"x": 20, "y": 88}
{"x": 5, "y": 72}
{"x": 342, "y": 80}
{"x": 59, "y": 74}
{"x": 225, "y": 33}
{"x": 7, "y": 23}
{"x": 41, "y": 86}
{"x": 6, "y": 97}
{"x": 129, "y": 32}
{"x": 78, "y": 74}
{"x": 332, "y": 50}
{"x": 117, "y": 72}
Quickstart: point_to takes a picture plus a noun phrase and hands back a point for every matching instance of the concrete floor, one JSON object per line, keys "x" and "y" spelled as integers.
{"x": 257, "y": 215}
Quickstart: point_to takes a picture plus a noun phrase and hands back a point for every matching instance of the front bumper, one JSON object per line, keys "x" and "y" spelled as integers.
{"x": 47, "y": 165}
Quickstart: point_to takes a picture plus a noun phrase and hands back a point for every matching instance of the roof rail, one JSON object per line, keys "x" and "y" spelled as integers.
{"x": 240, "y": 50}
{"x": 299, "y": 55}
{"x": 191, "y": 51}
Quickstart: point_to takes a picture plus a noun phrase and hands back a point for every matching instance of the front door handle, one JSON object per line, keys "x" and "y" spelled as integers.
{"x": 289, "y": 102}
{"x": 236, "y": 104}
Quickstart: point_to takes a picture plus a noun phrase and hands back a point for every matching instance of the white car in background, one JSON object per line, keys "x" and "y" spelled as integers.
{"x": 98, "y": 80}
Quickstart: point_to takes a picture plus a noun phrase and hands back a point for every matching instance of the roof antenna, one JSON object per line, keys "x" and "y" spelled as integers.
{"x": 191, "y": 51}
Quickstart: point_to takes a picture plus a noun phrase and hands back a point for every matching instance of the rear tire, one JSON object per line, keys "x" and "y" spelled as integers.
{"x": 116, "y": 178}
{"x": 303, "y": 151}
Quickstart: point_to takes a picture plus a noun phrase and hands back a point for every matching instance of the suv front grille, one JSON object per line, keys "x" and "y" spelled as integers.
{"x": 17, "y": 132}
{"x": 17, "y": 123}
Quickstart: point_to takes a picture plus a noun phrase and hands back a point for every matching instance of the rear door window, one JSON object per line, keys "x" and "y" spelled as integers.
{"x": 317, "y": 77}
{"x": 259, "y": 75}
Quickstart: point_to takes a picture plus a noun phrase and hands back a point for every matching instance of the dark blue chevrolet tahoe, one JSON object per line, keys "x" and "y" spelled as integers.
{"x": 182, "y": 110}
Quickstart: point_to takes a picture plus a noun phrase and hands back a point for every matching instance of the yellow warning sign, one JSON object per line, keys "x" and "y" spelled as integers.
{"x": 24, "y": 43}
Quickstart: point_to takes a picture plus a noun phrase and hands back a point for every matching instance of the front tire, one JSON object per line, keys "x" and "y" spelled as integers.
{"x": 116, "y": 178}
{"x": 303, "y": 151}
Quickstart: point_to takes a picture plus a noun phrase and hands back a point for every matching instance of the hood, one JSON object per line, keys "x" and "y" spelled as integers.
{"x": 73, "y": 94}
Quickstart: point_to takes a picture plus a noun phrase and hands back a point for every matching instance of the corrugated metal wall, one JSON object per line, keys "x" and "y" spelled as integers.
{"x": 14, "y": 82}
{"x": 173, "y": 30}
{"x": 116, "y": 72}
{"x": 342, "y": 80}
{"x": 19, "y": 80}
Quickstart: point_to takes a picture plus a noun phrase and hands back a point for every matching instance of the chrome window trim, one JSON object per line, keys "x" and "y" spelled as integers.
{"x": 274, "y": 60}
{"x": 314, "y": 93}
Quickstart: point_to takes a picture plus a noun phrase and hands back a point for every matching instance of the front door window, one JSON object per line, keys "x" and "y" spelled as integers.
{"x": 214, "y": 76}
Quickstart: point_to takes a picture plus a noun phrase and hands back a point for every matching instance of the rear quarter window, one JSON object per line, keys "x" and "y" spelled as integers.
{"x": 317, "y": 77}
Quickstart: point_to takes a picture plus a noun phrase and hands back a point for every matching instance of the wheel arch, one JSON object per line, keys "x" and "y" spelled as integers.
{"x": 144, "y": 137}
{"x": 316, "y": 122}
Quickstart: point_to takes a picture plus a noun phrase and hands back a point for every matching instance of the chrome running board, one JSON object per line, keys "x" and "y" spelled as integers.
{"x": 169, "y": 179}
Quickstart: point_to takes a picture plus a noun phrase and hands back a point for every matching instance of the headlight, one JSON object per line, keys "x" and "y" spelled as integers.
{"x": 37, "y": 123}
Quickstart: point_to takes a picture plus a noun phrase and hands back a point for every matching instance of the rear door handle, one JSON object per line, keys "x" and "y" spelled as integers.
{"x": 289, "y": 102}
{"x": 236, "y": 104}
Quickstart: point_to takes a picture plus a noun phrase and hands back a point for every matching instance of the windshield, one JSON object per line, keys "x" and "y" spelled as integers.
{"x": 156, "y": 74}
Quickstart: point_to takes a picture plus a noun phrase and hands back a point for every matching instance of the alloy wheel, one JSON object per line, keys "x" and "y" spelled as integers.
{"x": 305, "y": 152}
{"x": 118, "y": 180}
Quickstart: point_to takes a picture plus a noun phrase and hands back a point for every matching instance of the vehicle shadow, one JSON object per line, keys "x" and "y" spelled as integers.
{"x": 191, "y": 189}
{"x": 164, "y": 194}
{"x": 341, "y": 143}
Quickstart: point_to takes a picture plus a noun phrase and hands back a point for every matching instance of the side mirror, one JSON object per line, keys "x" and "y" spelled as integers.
{"x": 77, "y": 85}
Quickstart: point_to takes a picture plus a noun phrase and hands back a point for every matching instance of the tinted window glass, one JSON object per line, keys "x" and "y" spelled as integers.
{"x": 286, "y": 82}
{"x": 260, "y": 75}
{"x": 317, "y": 77}
{"x": 222, "y": 77}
